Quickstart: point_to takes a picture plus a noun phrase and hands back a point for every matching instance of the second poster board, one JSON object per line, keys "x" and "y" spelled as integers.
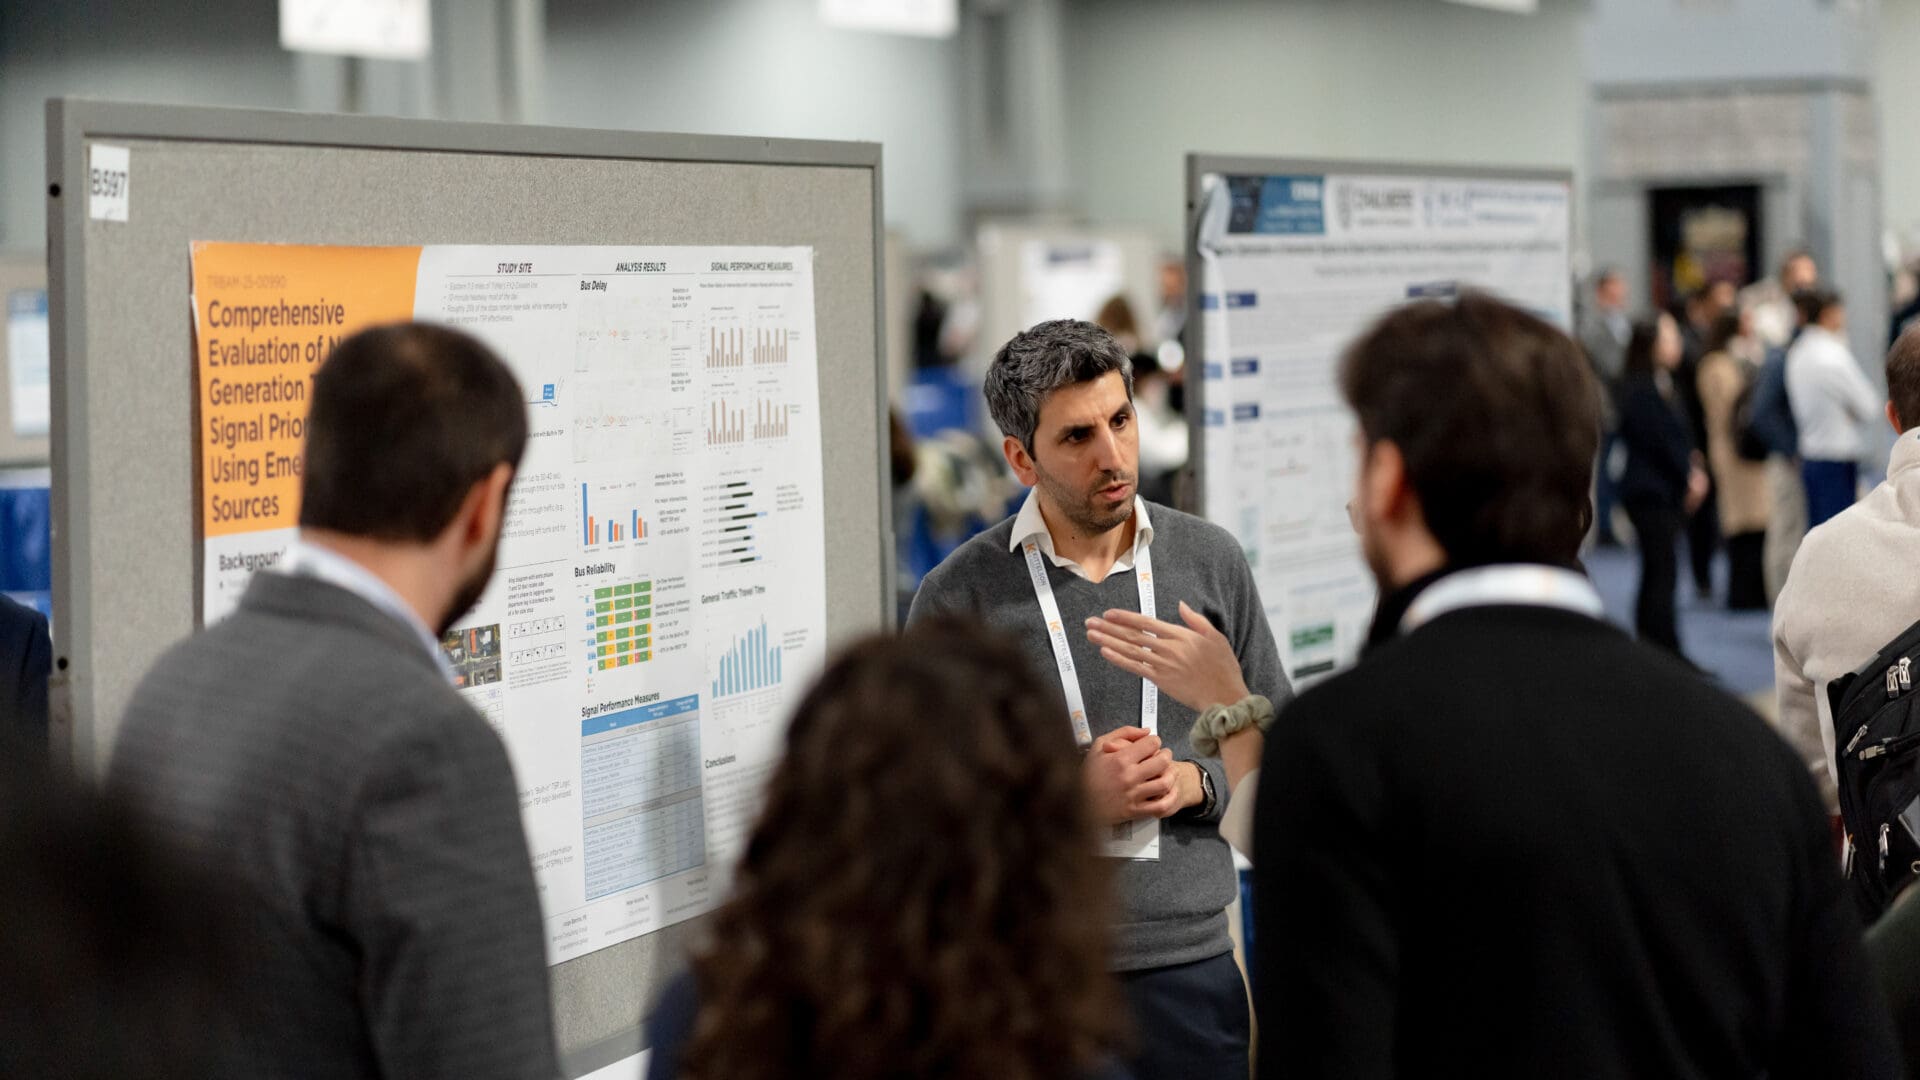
{"x": 25, "y": 402}
{"x": 1034, "y": 271}
{"x": 1288, "y": 261}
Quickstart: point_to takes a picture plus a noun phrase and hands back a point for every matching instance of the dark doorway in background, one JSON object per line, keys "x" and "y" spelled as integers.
{"x": 1700, "y": 235}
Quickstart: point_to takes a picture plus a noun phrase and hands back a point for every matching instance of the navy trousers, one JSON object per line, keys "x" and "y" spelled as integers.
{"x": 1191, "y": 1021}
{"x": 1830, "y": 488}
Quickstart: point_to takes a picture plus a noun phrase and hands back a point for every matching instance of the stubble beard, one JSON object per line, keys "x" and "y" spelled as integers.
{"x": 470, "y": 589}
{"x": 1079, "y": 507}
{"x": 1376, "y": 558}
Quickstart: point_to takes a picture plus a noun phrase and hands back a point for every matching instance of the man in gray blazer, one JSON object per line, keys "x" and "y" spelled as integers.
{"x": 312, "y": 750}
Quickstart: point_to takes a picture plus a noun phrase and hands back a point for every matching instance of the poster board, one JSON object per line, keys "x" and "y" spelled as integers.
{"x": 124, "y": 457}
{"x": 24, "y": 397}
{"x": 1033, "y": 272}
{"x": 1288, "y": 261}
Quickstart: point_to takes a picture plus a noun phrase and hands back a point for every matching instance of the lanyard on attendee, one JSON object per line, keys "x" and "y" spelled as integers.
{"x": 1063, "y": 656}
{"x": 1129, "y": 839}
{"x": 1483, "y": 586}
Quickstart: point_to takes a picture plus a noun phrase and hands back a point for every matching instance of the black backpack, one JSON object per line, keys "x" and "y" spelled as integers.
{"x": 1747, "y": 440}
{"x": 1876, "y": 725}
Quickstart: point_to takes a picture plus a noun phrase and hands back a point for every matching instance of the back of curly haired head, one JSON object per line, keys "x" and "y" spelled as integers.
{"x": 922, "y": 895}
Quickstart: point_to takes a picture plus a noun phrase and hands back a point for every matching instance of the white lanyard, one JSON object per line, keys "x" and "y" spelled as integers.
{"x": 1063, "y": 656}
{"x": 1129, "y": 839}
{"x": 1538, "y": 586}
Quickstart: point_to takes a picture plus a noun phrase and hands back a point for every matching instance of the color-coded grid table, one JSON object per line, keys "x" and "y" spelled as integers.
{"x": 618, "y": 621}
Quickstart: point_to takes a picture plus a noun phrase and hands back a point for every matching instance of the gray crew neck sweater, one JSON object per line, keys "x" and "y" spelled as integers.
{"x": 1172, "y": 910}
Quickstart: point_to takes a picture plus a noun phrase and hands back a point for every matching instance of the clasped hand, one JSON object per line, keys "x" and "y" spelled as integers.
{"x": 1129, "y": 776}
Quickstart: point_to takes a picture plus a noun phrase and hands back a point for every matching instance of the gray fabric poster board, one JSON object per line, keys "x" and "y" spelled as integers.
{"x": 123, "y": 382}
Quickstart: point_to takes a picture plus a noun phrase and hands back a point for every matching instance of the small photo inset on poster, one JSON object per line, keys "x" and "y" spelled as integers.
{"x": 474, "y": 654}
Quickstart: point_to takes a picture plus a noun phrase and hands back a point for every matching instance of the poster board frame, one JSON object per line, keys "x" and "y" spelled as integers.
{"x": 122, "y": 586}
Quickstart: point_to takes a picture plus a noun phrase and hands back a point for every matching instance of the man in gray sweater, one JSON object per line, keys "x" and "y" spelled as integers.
{"x": 1080, "y": 578}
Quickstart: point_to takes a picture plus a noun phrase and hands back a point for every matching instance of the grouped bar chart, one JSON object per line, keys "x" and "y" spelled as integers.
{"x": 735, "y": 348}
{"x": 728, "y": 426}
{"x": 724, "y": 348}
{"x": 619, "y": 625}
{"x": 769, "y": 347}
{"x": 771, "y": 420}
{"x": 752, "y": 664}
{"x": 595, "y": 530}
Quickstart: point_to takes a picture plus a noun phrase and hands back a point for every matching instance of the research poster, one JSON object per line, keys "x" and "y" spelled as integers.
{"x": 28, "y": 363}
{"x": 1293, "y": 268}
{"x": 1069, "y": 279}
{"x": 660, "y": 597}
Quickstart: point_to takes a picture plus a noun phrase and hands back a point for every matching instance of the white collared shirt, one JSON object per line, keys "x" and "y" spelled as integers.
{"x": 1501, "y": 584}
{"x": 322, "y": 564}
{"x": 1832, "y": 400}
{"x": 1029, "y": 523}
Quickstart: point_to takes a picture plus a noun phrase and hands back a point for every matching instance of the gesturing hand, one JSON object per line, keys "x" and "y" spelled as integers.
{"x": 1192, "y": 664}
{"x": 1130, "y": 776}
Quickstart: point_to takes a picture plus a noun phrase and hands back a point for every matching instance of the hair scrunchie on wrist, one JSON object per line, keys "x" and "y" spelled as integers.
{"x": 1220, "y": 721}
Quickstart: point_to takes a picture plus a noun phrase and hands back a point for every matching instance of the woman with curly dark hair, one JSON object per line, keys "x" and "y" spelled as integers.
{"x": 922, "y": 896}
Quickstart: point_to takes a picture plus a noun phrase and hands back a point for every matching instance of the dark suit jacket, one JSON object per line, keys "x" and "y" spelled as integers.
{"x": 26, "y": 659}
{"x": 1659, "y": 450}
{"x": 311, "y": 750}
{"x": 1514, "y": 843}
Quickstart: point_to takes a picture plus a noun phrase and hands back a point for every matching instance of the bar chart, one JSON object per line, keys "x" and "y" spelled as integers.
{"x": 728, "y": 426}
{"x": 725, "y": 348}
{"x": 752, "y": 664}
{"x": 734, "y": 347}
{"x": 596, "y": 530}
{"x": 732, "y": 511}
{"x": 769, "y": 347}
{"x": 770, "y": 420}
{"x": 619, "y": 625}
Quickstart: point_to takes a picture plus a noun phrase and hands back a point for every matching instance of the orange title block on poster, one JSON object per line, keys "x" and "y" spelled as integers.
{"x": 264, "y": 317}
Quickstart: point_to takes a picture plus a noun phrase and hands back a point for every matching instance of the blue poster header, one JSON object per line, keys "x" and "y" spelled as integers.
{"x": 657, "y": 711}
{"x": 1278, "y": 205}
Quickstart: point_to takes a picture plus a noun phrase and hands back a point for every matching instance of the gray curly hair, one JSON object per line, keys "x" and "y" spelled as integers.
{"x": 1040, "y": 360}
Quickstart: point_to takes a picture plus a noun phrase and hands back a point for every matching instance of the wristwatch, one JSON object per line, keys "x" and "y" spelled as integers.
{"x": 1208, "y": 799}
